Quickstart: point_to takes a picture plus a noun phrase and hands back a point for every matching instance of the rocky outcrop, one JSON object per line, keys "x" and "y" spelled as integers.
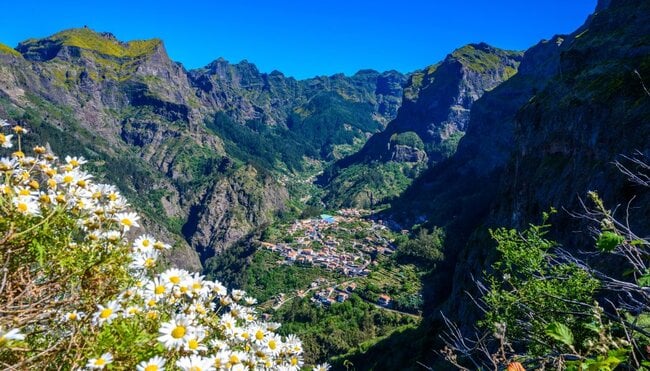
{"x": 437, "y": 100}
{"x": 229, "y": 209}
{"x": 403, "y": 153}
{"x": 435, "y": 111}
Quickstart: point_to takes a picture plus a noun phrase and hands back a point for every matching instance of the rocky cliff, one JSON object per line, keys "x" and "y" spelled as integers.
{"x": 543, "y": 139}
{"x": 147, "y": 124}
{"x": 433, "y": 117}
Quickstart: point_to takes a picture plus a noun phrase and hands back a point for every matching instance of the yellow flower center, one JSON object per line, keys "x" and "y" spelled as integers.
{"x": 68, "y": 178}
{"x": 74, "y": 162}
{"x": 105, "y": 313}
{"x": 272, "y": 345}
{"x": 100, "y": 362}
{"x": 127, "y": 222}
{"x": 193, "y": 344}
{"x": 234, "y": 359}
{"x": 178, "y": 332}
{"x": 195, "y": 368}
{"x": 2, "y": 138}
{"x": 112, "y": 196}
{"x": 294, "y": 361}
{"x": 175, "y": 280}
{"x": 22, "y": 207}
{"x": 159, "y": 290}
{"x": 24, "y": 192}
{"x": 151, "y": 368}
{"x": 72, "y": 316}
{"x": 150, "y": 262}
{"x": 259, "y": 335}
{"x": 146, "y": 243}
{"x": 196, "y": 286}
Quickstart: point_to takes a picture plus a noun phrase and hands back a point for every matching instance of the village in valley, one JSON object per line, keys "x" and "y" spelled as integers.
{"x": 346, "y": 244}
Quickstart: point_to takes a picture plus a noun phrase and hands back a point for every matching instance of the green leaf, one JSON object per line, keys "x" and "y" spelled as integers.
{"x": 607, "y": 241}
{"x": 593, "y": 326}
{"x": 560, "y": 333}
{"x": 644, "y": 280}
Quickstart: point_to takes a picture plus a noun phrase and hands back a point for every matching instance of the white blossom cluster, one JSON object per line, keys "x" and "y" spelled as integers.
{"x": 196, "y": 324}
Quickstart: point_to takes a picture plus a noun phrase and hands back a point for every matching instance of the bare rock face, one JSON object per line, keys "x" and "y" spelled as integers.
{"x": 437, "y": 100}
{"x": 403, "y": 153}
{"x": 228, "y": 210}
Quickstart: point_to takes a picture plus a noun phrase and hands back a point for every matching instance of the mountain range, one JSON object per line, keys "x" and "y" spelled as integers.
{"x": 484, "y": 138}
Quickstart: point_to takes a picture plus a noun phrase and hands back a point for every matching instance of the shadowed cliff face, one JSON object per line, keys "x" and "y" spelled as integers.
{"x": 141, "y": 119}
{"x": 542, "y": 139}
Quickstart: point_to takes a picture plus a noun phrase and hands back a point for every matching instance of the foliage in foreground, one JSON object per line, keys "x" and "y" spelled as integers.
{"x": 545, "y": 308}
{"x": 75, "y": 293}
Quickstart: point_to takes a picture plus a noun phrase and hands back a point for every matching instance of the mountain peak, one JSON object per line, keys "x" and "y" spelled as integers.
{"x": 104, "y": 43}
{"x": 482, "y": 56}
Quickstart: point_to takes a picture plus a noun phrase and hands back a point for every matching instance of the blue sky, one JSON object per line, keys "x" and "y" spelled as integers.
{"x": 304, "y": 38}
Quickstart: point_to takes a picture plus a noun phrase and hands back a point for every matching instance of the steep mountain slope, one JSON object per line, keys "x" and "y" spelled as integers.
{"x": 433, "y": 117}
{"x": 172, "y": 139}
{"x": 540, "y": 140}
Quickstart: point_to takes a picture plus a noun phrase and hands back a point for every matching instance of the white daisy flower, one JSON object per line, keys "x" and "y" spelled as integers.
{"x": 322, "y": 367}
{"x": 100, "y": 362}
{"x": 273, "y": 345}
{"x": 5, "y": 141}
{"x": 235, "y": 358}
{"x": 75, "y": 161}
{"x": 73, "y": 316}
{"x": 195, "y": 363}
{"x": 194, "y": 343}
{"x": 258, "y": 333}
{"x": 105, "y": 314}
{"x": 144, "y": 260}
{"x": 13, "y": 334}
{"x": 27, "y": 205}
{"x": 127, "y": 220}
{"x": 156, "y": 363}
{"x": 173, "y": 276}
{"x": 237, "y": 295}
{"x": 175, "y": 333}
{"x": 144, "y": 243}
{"x": 156, "y": 289}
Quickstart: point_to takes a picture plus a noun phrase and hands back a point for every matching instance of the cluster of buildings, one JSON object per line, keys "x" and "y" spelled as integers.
{"x": 316, "y": 243}
{"x": 332, "y": 295}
